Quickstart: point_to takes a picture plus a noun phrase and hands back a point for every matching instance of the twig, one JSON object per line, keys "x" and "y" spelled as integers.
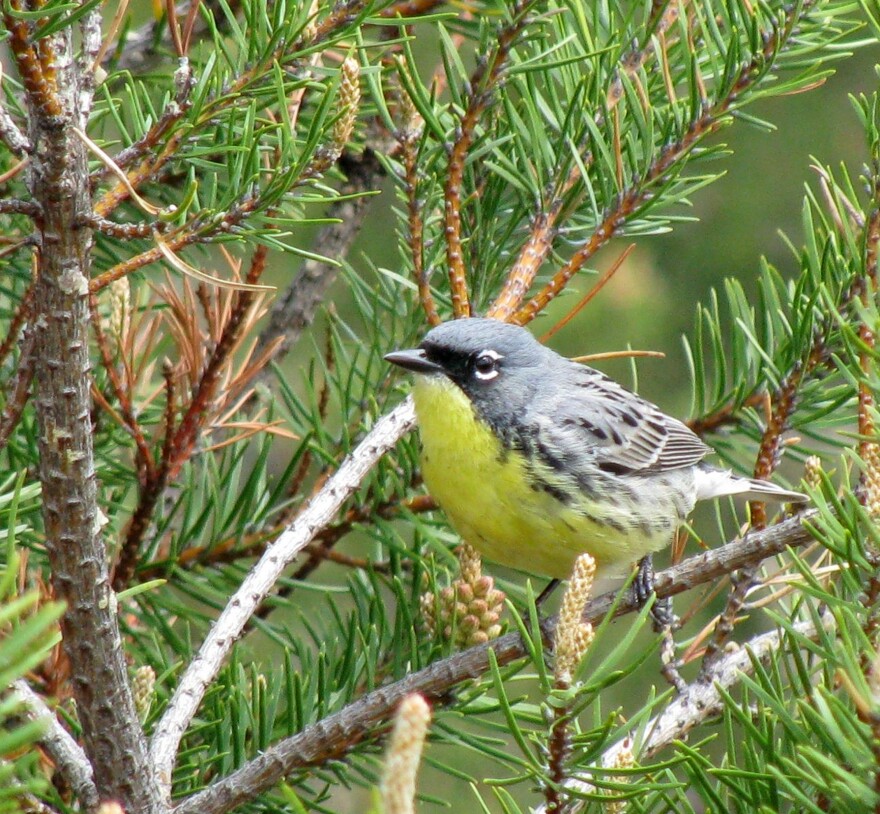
{"x": 21, "y": 315}
{"x": 728, "y": 414}
{"x": 559, "y": 751}
{"x": 17, "y": 400}
{"x": 408, "y": 136}
{"x": 180, "y": 240}
{"x": 410, "y": 8}
{"x": 701, "y": 700}
{"x": 531, "y": 256}
{"x": 12, "y": 136}
{"x": 69, "y": 758}
{"x": 631, "y": 198}
{"x": 194, "y": 417}
{"x": 337, "y": 733}
{"x": 13, "y": 206}
{"x": 38, "y": 82}
{"x": 256, "y": 586}
{"x": 123, "y": 231}
{"x": 484, "y": 82}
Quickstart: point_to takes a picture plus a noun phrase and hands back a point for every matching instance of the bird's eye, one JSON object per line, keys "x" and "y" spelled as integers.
{"x": 486, "y": 365}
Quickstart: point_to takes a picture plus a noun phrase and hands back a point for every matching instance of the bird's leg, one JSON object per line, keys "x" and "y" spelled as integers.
{"x": 545, "y": 594}
{"x": 664, "y": 619}
{"x": 544, "y": 621}
{"x": 643, "y": 586}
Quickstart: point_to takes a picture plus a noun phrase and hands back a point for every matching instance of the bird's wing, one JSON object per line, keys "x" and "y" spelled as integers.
{"x": 619, "y": 431}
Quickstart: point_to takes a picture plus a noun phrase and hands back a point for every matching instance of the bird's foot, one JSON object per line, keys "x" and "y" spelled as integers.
{"x": 662, "y": 614}
{"x": 664, "y": 620}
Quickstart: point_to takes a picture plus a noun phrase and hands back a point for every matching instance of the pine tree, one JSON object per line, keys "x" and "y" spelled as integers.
{"x": 221, "y": 577}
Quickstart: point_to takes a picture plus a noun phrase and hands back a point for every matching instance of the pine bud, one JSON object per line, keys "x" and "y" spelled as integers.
{"x": 813, "y": 471}
{"x": 398, "y": 787}
{"x": 142, "y": 688}
{"x": 412, "y": 123}
{"x": 574, "y": 636}
{"x": 871, "y": 457}
{"x": 115, "y": 312}
{"x": 349, "y": 103}
{"x": 624, "y": 759}
{"x": 469, "y": 609}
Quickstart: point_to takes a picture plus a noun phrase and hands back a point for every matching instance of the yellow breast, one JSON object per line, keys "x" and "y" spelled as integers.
{"x": 493, "y": 501}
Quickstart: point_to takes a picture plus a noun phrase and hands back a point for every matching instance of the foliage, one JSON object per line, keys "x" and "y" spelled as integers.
{"x": 517, "y": 139}
{"x": 28, "y": 636}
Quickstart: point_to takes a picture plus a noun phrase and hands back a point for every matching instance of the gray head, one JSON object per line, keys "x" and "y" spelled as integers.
{"x": 496, "y": 364}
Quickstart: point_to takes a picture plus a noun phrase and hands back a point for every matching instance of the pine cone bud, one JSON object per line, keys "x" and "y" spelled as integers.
{"x": 624, "y": 759}
{"x": 871, "y": 457}
{"x": 349, "y": 103}
{"x": 813, "y": 471}
{"x": 470, "y": 608}
{"x": 398, "y": 786}
{"x": 574, "y": 636}
{"x": 143, "y": 687}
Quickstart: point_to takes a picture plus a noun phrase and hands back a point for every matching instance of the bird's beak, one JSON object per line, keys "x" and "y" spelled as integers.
{"x": 415, "y": 360}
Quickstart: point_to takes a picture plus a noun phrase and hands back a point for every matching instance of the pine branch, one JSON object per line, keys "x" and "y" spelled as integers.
{"x": 408, "y": 136}
{"x": 484, "y": 82}
{"x": 69, "y": 759}
{"x": 256, "y": 586}
{"x": 545, "y": 225}
{"x": 701, "y": 700}
{"x": 632, "y": 197}
{"x": 57, "y": 98}
{"x": 338, "y": 733}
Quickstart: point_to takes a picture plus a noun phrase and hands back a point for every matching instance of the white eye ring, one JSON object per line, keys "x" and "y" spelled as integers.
{"x": 487, "y": 359}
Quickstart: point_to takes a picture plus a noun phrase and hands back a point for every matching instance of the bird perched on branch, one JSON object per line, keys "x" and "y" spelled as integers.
{"x": 536, "y": 458}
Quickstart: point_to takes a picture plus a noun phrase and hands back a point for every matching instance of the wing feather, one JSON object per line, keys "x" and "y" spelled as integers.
{"x": 614, "y": 429}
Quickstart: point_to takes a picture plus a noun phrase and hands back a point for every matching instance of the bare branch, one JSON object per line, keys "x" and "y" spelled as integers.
{"x": 256, "y": 586}
{"x": 67, "y": 754}
{"x": 11, "y": 135}
{"x": 59, "y": 183}
{"x": 701, "y": 700}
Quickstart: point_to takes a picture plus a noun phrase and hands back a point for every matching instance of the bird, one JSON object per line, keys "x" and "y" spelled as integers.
{"x": 536, "y": 458}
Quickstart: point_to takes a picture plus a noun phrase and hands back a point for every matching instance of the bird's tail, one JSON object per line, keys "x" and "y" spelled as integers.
{"x": 719, "y": 482}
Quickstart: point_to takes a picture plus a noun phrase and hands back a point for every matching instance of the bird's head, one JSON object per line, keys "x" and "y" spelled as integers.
{"x": 496, "y": 364}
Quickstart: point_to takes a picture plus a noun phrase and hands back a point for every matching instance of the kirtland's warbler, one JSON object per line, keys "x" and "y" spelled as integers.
{"x": 537, "y": 459}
